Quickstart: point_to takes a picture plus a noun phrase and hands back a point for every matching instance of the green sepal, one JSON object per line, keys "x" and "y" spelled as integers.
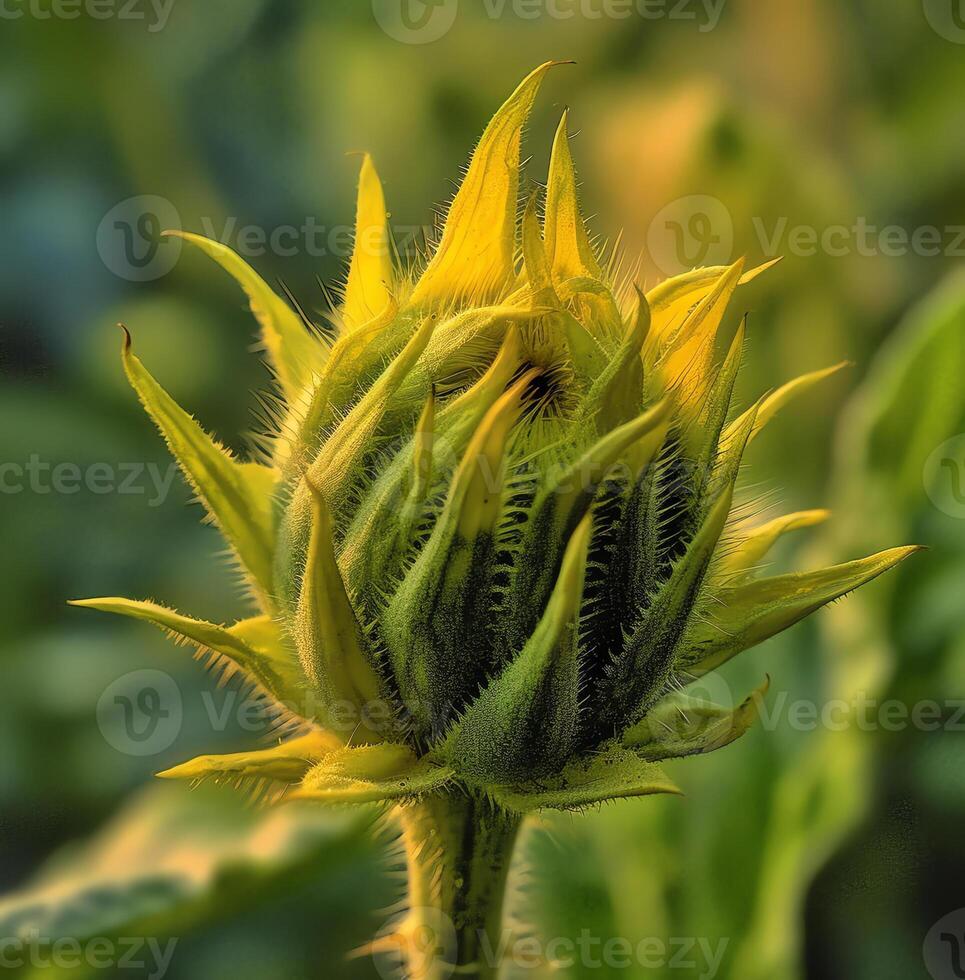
{"x": 339, "y": 461}
{"x": 387, "y": 521}
{"x": 525, "y": 721}
{"x": 611, "y": 773}
{"x": 563, "y": 502}
{"x": 433, "y": 624}
{"x": 640, "y": 672}
{"x": 237, "y": 496}
{"x": 255, "y": 646}
{"x": 758, "y": 610}
{"x": 680, "y": 726}
{"x": 372, "y": 774}
{"x": 706, "y": 439}
{"x": 332, "y": 646}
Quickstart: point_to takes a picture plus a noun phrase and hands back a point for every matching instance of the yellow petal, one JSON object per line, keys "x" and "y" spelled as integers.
{"x": 672, "y": 299}
{"x": 686, "y": 364}
{"x": 370, "y": 275}
{"x": 475, "y": 257}
{"x": 567, "y": 243}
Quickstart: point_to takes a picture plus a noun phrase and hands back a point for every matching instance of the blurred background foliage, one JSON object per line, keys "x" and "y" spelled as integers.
{"x": 825, "y": 854}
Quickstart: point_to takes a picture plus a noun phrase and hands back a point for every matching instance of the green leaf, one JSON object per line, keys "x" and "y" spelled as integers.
{"x": 611, "y": 774}
{"x": 371, "y": 774}
{"x": 253, "y": 645}
{"x": 171, "y": 861}
{"x": 752, "y": 613}
{"x": 237, "y": 496}
{"x": 680, "y": 726}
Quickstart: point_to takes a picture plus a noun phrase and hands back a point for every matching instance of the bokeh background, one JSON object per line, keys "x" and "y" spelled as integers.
{"x": 703, "y": 132}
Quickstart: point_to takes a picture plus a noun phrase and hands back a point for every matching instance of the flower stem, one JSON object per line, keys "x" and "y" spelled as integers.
{"x": 459, "y": 849}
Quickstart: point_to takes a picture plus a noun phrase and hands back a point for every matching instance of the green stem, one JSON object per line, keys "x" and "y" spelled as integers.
{"x": 459, "y": 849}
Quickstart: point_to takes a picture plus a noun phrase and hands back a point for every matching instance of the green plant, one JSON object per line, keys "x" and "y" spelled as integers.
{"x": 492, "y": 538}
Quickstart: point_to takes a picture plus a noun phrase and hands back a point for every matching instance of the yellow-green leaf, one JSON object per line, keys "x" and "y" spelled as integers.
{"x": 237, "y": 496}
{"x": 751, "y": 613}
{"x": 287, "y": 762}
{"x": 295, "y": 353}
{"x": 255, "y": 646}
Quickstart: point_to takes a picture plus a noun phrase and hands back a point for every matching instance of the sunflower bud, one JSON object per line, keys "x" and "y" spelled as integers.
{"x": 496, "y": 522}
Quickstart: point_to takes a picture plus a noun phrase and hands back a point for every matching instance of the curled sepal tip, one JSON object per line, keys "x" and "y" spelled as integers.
{"x": 681, "y": 726}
